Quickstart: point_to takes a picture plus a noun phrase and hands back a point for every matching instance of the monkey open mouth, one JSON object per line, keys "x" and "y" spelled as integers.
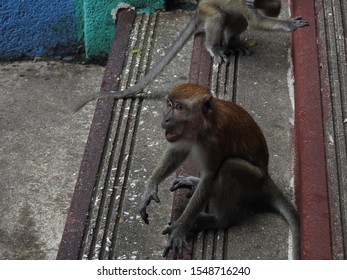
{"x": 171, "y": 135}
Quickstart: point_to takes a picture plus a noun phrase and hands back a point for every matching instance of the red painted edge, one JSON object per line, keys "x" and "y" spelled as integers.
{"x": 310, "y": 167}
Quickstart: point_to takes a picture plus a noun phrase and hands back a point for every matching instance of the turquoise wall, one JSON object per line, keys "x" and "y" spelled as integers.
{"x": 99, "y": 24}
{"x": 30, "y": 28}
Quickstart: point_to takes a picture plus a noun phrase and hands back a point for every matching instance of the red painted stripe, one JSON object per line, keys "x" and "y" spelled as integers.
{"x": 310, "y": 163}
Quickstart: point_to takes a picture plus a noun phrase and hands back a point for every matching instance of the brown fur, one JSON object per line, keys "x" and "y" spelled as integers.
{"x": 231, "y": 153}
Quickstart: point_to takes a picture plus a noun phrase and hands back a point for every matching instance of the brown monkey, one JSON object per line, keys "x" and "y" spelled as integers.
{"x": 231, "y": 154}
{"x": 224, "y": 21}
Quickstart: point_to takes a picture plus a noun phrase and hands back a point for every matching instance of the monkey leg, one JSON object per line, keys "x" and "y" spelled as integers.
{"x": 239, "y": 183}
{"x": 170, "y": 161}
{"x": 236, "y": 24}
{"x": 259, "y": 21}
{"x": 214, "y": 21}
{"x": 270, "y": 8}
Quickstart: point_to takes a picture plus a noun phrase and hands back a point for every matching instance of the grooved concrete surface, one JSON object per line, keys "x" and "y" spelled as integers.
{"x": 114, "y": 228}
{"x": 332, "y": 48}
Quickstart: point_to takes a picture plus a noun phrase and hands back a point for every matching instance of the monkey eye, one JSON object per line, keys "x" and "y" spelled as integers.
{"x": 178, "y": 106}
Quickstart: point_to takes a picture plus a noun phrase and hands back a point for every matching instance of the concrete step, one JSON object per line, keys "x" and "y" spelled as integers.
{"x": 304, "y": 123}
{"x": 126, "y": 141}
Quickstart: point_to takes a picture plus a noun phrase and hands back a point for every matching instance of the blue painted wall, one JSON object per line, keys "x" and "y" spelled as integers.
{"x": 55, "y": 27}
{"x": 37, "y": 27}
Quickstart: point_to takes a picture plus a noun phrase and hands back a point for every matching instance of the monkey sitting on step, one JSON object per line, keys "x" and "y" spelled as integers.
{"x": 224, "y": 21}
{"x": 231, "y": 154}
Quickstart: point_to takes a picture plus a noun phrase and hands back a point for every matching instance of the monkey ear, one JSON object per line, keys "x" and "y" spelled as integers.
{"x": 207, "y": 105}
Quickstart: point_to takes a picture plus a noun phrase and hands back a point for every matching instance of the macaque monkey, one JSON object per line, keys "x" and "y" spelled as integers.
{"x": 231, "y": 154}
{"x": 223, "y": 21}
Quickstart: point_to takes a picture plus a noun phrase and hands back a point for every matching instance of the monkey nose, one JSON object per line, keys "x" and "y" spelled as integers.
{"x": 167, "y": 117}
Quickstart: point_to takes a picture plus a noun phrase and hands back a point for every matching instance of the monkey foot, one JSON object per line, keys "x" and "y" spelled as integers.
{"x": 221, "y": 55}
{"x": 176, "y": 242}
{"x": 239, "y": 47}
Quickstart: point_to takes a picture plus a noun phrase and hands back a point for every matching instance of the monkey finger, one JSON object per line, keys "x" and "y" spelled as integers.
{"x": 155, "y": 197}
{"x": 297, "y": 22}
{"x": 175, "y": 251}
{"x": 178, "y": 253}
{"x": 168, "y": 230}
{"x": 179, "y": 185}
{"x": 167, "y": 248}
{"x": 184, "y": 247}
{"x": 245, "y": 51}
{"x": 179, "y": 247}
{"x": 225, "y": 59}
{"x": 144, "y": 215}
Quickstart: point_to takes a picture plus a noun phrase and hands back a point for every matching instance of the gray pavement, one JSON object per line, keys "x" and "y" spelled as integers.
{"x": 41, "y": 145}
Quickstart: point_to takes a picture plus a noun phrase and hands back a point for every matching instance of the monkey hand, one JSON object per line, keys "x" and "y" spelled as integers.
{"x": 150, "y": 195}
{"x": 187, "y": 182}
{"x": 177, "y": 241}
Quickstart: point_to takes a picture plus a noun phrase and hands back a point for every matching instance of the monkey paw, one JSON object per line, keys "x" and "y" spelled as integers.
{"x": 222, "y": 57}
{"x": 185, "y": 182}
{"x": 176, "y": 242}
{"x": 219, "y": 53}
{"x": 239, "y": 47}
{"x": 297, "y": 22}
{"x": 149, "y": 196}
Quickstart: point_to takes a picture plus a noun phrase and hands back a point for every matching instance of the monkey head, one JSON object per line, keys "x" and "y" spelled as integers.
{"x": 186, "y": 106}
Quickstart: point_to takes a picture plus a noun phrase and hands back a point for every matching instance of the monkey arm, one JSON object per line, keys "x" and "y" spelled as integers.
{"x": 259, "y": 21}
{"x": 171, "y": 160}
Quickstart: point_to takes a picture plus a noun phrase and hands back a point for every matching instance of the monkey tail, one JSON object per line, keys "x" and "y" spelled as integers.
{"x": 281, "y": 203}
{"x": 152, "y": 73}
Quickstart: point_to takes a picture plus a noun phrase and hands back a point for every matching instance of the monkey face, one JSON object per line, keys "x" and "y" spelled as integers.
{"x": 175, "y": 120}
